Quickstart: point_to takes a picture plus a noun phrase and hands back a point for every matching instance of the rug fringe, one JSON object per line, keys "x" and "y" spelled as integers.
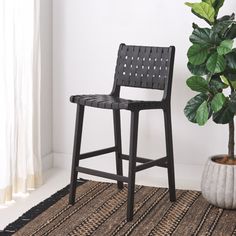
{"x": 37, "y": 210}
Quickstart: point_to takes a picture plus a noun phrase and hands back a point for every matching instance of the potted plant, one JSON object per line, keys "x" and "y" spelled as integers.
{"x": 212, "y": 62}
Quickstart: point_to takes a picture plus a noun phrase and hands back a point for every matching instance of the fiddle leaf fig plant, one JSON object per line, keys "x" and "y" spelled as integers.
{"x": 212, "y": 62}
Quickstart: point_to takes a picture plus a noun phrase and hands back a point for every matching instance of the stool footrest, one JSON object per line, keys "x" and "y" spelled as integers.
{"x": 161, "y": 162}
{"x": 97, "y": 153}
{"x": 138, "y": 159}
{"x": 144, "y": 160}
{"x": 102, "y": 174}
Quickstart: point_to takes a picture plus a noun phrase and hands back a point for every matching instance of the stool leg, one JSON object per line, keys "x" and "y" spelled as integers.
{"x": 169, "y": 152}
{"x": 132, "y": 163}
{"x": 76, "y": 151}
{"x": 117, "y": 134}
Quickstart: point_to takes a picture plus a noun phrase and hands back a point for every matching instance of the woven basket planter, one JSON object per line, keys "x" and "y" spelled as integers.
{"x": 219, "y": 184}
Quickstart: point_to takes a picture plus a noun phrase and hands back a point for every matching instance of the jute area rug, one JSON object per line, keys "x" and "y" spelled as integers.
{"x": 100, "y": 209}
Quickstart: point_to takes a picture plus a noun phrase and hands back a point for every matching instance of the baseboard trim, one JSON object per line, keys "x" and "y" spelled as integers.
{"x": 187, "y": 176}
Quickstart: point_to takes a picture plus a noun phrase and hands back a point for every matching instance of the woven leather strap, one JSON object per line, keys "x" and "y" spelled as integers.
{"x": 144, "y": 67}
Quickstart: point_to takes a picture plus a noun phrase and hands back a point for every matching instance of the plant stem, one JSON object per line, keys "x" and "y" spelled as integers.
{"x": 231, "y": 132}
{"x": 231, "y": 140}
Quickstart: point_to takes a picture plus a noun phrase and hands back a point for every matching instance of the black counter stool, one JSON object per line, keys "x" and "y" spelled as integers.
{"x": 141, "y": 67}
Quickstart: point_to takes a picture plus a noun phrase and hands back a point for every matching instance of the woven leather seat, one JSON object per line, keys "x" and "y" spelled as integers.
{"x": 140, "y": 67}
{"x": 115, "y": 103}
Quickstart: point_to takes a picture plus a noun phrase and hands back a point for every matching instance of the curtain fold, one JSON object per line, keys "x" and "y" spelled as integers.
{"x": 20, "y": 157}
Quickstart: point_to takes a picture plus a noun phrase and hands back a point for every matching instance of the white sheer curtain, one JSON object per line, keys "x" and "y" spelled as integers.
{"x": 20, "y": 159}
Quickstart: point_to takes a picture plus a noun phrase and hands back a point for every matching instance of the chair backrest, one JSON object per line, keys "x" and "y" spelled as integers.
{"x": 145, "y": 67}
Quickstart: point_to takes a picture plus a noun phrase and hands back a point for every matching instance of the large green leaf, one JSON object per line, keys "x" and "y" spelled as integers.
{"x": 210, "y": 2}
{"x": 217, "y": 5}
{"x": 223, "y": 116}
{"x": 231, "y": 33}
{"x": 197, "y": 69}
{"x": 223, "y": 24}
{"x": 198, "y": 84}
{"x": 216, "y": 63}
{"x": 231, "y": 76}
{"x": 225, "y": 47}
{"x": 231, "y": 60}
{"x": 204, "y": 36}
{"x": 202, "y": 114}
{"x": 192, "y": 106}
{"x": 204, "y": 10}
{"x": 226, "y": 18}
{"x": 232, "y": 102}
{"x": 197, "y": 54}
{"x": 222, "y": 27}
{"x": 200, "y": 36}
{"x": 218, "y": 102}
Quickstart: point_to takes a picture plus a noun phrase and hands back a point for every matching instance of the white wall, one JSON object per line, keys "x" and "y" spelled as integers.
{"x": 86, "y": 36}
{"x": 46, "y": 96}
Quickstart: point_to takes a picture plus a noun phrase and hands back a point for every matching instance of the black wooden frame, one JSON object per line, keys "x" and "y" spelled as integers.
{"x": 164, "y": 84}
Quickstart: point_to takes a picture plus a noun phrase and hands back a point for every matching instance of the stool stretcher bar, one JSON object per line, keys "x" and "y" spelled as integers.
{"x": 161, "y": 162}
{"x": 101, "y": 174}
{"x": 97, "y": 153}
